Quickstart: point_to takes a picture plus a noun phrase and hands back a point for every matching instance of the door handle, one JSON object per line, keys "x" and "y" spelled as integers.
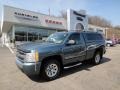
{"x": 91, "y": 46}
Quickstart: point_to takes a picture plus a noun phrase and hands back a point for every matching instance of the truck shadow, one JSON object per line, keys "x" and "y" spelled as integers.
{"x": 84, "y": 66}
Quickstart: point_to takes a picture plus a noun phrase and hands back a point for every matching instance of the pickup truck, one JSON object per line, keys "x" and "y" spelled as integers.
{"x": 61, "y": 49}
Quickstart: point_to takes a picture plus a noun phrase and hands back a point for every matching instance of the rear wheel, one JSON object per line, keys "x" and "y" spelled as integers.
{"x": 51, "y": 69}
{"x": 108, "y": 45}
{"x": 97, "y": 58}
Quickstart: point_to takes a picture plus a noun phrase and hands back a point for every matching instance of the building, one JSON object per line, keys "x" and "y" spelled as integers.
{"x": 95, "y": 28}
{"x": 23, "y": 25}
{"x": 19, "y": 25}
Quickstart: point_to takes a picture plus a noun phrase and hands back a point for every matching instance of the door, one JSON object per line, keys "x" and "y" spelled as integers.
{"x": 74, "y": 52}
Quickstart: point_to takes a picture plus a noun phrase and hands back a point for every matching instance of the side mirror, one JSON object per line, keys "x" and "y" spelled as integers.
{"x": 71, "y": 42}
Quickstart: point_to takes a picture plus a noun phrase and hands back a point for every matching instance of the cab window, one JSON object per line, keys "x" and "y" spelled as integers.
{"x": 75, "y": 37}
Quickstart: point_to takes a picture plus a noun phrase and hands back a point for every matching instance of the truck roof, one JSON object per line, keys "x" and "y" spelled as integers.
{"x": 71, "y": 32}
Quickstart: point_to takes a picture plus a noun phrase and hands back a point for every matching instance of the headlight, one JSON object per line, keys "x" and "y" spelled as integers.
{"x": 32, "y": 57}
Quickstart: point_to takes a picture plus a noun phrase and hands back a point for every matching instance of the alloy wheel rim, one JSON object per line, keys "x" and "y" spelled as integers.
{"x": 97, "y": 58}
{"x": 108, "y": 45}
{"x": 51, "y": 70}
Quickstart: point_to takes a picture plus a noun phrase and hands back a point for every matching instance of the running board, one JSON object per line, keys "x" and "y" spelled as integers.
{"x": 67, "y": 67}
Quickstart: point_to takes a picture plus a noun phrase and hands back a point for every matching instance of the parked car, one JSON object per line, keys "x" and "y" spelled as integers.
{"x": 118, "y": 41}
{"x": 110, "y": 42}
{"x": 60, "y": 50}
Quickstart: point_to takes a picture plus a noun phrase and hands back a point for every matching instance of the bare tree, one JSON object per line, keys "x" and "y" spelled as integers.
{"x": 117, "y": 27}
{"x": 63, "y": 14}
{"x": 99, "y": 21}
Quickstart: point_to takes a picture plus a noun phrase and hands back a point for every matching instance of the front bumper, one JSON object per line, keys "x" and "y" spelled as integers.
{"x": 29, "y": 68}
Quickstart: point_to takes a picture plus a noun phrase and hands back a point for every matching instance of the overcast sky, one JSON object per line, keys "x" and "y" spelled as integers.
{"x": 109, "y": 9}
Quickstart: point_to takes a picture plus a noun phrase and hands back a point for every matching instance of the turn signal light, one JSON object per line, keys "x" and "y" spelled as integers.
{"x": 36, "y": 56}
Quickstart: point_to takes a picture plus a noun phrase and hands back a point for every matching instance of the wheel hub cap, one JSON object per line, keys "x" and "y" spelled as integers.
{"x": 97, "y": 58}
{"x": 51, "y": 70}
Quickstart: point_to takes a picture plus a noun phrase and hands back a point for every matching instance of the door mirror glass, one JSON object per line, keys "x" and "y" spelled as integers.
{"x": 71, "y": 42}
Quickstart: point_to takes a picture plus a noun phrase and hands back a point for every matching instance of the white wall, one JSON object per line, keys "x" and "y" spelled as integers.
{"x": 95, "y": 28}
{"x": 72, "y": 20}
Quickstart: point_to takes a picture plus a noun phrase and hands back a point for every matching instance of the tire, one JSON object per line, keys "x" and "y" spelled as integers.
{"x": 51, "y": 69}
{"x": 108, "y": 45}
{"x": 97, "y": 58}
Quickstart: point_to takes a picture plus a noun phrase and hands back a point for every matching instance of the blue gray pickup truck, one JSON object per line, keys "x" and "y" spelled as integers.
{"x": 60, "y": 50}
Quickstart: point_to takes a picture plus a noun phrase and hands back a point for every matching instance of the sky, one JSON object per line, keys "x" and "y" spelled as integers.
{"x": 108, "y": 9}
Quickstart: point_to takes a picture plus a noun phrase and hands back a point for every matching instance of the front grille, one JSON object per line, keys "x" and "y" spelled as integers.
{"x": 24, "y": 51}
{"x": 21, "y": 54}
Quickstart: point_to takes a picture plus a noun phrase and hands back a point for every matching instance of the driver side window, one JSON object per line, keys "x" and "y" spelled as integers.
{"x": 75, "y": 37}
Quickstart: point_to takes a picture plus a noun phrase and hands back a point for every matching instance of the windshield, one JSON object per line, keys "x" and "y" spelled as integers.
{"x": 57, "y": 37}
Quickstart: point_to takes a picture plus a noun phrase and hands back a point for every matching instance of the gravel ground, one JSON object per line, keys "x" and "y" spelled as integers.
{"x": 105, "y": 76}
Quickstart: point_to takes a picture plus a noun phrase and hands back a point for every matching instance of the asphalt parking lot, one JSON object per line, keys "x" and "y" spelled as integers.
{"x": 105, "y": 76}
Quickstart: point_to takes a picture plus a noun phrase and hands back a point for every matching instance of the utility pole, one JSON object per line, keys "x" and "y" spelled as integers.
{"x": 49, "y": 11}
{"x": 106, "y": 32}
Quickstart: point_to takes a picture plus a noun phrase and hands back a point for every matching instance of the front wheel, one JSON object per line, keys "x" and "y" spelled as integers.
{"x": 51, "y": 69}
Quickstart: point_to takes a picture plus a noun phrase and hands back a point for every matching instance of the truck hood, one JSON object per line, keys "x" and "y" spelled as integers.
{"x": 37, "y": 46}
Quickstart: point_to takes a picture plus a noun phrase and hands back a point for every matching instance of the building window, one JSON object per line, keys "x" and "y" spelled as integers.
{"x": 31, "y": 34}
